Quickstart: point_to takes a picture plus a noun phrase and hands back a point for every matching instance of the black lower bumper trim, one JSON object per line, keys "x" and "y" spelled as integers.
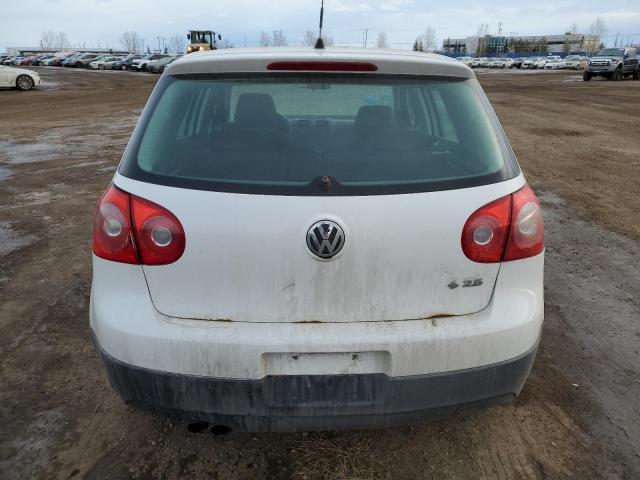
{"x": 317, "y": 402}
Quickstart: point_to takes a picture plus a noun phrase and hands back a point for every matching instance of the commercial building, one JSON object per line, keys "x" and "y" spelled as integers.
{"x": 491, "y": 46}
{"x": 26, "y": 51}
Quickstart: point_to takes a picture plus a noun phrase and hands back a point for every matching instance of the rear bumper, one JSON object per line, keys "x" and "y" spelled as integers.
{"x": 317, "y": 402}
{"x": 130, "y": 329}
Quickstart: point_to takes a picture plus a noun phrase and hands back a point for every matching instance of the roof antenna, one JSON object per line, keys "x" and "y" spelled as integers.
{"x": 320, "y": 42}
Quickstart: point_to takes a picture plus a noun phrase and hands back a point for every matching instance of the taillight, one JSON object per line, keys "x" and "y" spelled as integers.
{"x": 485, "y": 234}
{"x": 526, "y": 238}
{"x": 130, "y": 229}
{"x": 112, "y": 233}
{"x": 159, "y": 235}
{"x": 509, "y": 228}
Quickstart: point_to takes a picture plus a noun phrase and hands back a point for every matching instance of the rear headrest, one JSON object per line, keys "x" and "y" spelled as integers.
{"x": 374, "y": 118}
{"x": 255, "y": 110}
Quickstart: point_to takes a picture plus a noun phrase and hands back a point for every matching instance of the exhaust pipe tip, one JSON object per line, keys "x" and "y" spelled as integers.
{"x": 218, "y": 430}
{"x": 197, "y": 427}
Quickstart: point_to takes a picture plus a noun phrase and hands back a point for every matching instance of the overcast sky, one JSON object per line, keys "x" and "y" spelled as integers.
{"x": 100, "y": 22}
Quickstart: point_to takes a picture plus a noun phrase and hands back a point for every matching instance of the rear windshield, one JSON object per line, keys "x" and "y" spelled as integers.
{"x": 318, "y": 135}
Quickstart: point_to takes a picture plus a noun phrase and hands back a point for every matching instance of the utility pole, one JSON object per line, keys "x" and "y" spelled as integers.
{"x": 500, "y": 28}
{"x": 365, "y": 37}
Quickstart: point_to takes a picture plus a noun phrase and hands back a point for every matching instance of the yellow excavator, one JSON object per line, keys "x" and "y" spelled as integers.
{"x": 202, "y": 40}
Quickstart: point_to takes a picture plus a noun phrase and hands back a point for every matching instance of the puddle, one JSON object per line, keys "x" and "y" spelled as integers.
{"x": 5, "y": 173}
{"x": 86, "y": 164}
{"x": 10, "y": 240}
{"x": 548, "y": 198}
{"x": 573, "y": 78}
{"x": 68, "y": 142}
{"x": 18, "y": 153}
{"x": 36, "y": 198}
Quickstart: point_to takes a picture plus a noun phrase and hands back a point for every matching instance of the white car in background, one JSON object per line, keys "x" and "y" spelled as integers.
{"x": 313, "y": 239}
{"x": 158, "y": 62}
{"x": 466, "y": 60}
{"x": 478, "y": 62}
{"x": 104, "y": 63}
{"x": 539, "y": 62}
{"x": 552, "y": 64}
{"x": 140, "y": 64}
{"x": 19, "y": 78}
{"x": 508, "y": 62}
{"x": 500, "y": 62}
{"x": 574, "y": 62}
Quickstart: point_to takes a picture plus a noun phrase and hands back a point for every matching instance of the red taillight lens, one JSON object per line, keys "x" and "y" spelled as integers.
{"x": 484, "y": 236}
{"x": 527, "y": 226}
{"x": 509, "y": 228}
{"x": 159, "y": 235}
{"x": 112, "y": 233}
{"x": 130, "y": 229}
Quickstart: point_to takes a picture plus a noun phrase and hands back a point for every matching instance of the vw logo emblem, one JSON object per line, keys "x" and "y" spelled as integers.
{"x": 325, "y": 239}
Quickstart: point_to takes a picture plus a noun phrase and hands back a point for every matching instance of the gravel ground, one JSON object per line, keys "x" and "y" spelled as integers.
{"x": 578, "y": 416}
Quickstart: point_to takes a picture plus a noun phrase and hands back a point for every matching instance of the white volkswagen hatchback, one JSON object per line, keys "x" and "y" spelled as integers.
{"x": 302, "y": 239}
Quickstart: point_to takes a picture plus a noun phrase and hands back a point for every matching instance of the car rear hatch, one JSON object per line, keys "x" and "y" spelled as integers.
{"x": 251, "y": 165}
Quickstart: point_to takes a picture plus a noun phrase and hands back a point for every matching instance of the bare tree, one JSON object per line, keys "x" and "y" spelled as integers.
{"x": 597, "y": 30}
{"x": 177, "y": 44}
{"x": 279, "y": 38}
{"x": 328, "y": 40}
{"x": 544, "y": 45}
{"x": 265, "y": 39}
{"x": 51, "y": 40}
{"x": 309, "y": 39}
{"x": 131, "y": 41}
{"x": 382, "y": 42}
{"x": 429, "y": 40}
{"x": 566, "y": 47}
{"x": 47, "y": 39}
{"x": 62, "y": 41}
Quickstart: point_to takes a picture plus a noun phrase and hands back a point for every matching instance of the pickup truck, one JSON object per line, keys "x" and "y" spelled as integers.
{"x": 614, "y": 64}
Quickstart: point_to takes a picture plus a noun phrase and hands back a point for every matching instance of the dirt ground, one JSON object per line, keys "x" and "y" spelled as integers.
{"x": 578, "y": 416}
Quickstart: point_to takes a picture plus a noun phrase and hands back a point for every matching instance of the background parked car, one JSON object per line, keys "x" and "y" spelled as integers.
{"x": 158, "y": 66}
{"x": 48, "y": 62}
{"x": 466, "y": 60}
{"x": 141, "y": 63}
{"x": 517, "y": 62}
{"x": 19, "y": 78}
{"x": 68, "y": 62}
{"x": 552, "y": 64}
{"x": 125, "y": 63}
{"x": 574, "y": 62}
{"x": 82, "y": 60}
{"x": 40, "y": 59}
{"x": 105, "y": 63}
